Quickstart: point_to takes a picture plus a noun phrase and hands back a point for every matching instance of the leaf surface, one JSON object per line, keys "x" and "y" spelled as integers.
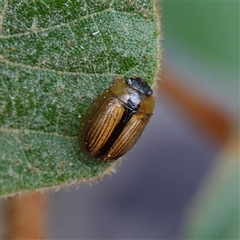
{"x": 56, "y": 57}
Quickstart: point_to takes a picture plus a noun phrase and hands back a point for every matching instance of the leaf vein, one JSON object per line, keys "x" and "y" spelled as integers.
{"x": 3, "y": 60}
{"x": 30, "y": 131}
{"x": 40, "y": 30}
{"x": 2, "y": 15}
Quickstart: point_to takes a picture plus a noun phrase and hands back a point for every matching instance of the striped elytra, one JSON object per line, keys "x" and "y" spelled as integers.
{"x": 115, "y": 120}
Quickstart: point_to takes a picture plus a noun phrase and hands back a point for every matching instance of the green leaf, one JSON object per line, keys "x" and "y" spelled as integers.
{"x": 56, "y": 57}
{"x": 214, "y": 213}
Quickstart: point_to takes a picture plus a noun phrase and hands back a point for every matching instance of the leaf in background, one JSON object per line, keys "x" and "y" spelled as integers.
{"x": 56, "y": 57}
{"x": 214, "y": 213}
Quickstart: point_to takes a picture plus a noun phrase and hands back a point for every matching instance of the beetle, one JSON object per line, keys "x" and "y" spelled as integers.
{"x": 115, "y": 120}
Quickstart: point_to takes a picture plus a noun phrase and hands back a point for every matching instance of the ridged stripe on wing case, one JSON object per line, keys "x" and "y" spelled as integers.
{"x": 128, "y": 137}
{"x": 103, "y": 125}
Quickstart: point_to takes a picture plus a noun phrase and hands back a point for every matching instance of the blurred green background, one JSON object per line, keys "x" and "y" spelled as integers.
{"x": 209, "y": 29}
{"x": 201, "y": 41}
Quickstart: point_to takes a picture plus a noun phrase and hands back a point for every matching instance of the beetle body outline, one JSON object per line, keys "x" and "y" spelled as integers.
{"x": 115, "y": 120}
